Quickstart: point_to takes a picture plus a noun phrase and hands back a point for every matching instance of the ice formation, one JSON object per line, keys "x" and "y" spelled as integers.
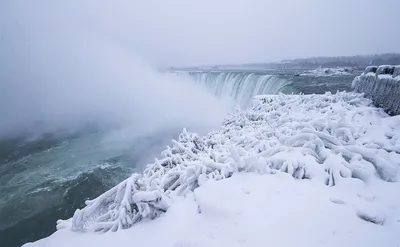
{"x": 329, "y": 139}
{"x": 328, "y": 72}
{"x": 382, "y": 85}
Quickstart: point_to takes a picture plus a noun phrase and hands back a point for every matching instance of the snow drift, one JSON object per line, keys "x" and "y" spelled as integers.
{"x": 382, "y": 85}
{"x": 250, "y": 209}
{"x": 327, "y": 139}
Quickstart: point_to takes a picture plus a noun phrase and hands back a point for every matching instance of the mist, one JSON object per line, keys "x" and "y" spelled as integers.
{"x": 57, "y": 75}
{"x": 67, "y": 64}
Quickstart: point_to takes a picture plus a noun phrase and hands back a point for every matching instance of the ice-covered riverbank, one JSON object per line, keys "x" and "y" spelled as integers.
{"x": 328, "y": 72}
{"x": 382, "y": 85}
{"x": 306, "y": 170}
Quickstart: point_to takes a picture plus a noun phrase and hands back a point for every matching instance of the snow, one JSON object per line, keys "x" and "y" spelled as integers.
{"x": 385, "y": 69}
{"x": 250, "y": 209}
{"x": 381, "y": 84}
{"x": 371, "y": 69}
{"x": 304, "y": 170}
{"x": 396, "y": 72}
{"x": 328, "y": 72}
{"x": 385, "y": 77}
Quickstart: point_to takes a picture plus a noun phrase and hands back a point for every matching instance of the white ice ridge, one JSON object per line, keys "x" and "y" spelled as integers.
{"x": 329, "y": 139}
{"x": 382, "y": 85}
{"x": 328, "y": 72}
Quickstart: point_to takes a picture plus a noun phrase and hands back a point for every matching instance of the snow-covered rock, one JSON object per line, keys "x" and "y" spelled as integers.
{"x": 328, "y": 72}
{"x": 382, "y": 85}
{"x": 329, "y": 140}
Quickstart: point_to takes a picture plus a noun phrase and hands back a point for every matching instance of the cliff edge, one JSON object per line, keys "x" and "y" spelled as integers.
{"x": 382, "y": 85}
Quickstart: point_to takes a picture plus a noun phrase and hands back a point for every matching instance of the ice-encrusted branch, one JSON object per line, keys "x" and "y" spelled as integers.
{"x": 120, "y": 207}
{"x": 327, "y": 138}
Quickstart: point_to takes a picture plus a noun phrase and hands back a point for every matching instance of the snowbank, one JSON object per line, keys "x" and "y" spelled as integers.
{"x": 307, "y": 170}
{"x": 249, "y": 209}
{"x": 382, "y": 85}
{"x": 328, "y": 72}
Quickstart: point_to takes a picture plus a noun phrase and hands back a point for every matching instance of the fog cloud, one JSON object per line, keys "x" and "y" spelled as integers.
{"x": 62, "y": 62}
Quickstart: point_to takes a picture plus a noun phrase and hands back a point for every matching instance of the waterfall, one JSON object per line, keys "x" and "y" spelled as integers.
{"x": 240, "y": 86}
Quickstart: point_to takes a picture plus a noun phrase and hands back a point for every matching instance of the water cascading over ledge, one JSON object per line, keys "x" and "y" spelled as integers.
{"x": 382, "y": 85}
{"x": 240, "y": 86}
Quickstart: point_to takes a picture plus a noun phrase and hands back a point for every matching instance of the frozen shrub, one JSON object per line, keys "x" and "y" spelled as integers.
{"x": 324, "y": 138}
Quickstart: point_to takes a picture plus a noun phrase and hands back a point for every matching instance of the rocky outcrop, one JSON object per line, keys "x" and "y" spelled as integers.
{"x": 382, "y": 85}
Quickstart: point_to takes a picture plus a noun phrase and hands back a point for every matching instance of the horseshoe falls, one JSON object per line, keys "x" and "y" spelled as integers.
{"x": 240, "y": 86}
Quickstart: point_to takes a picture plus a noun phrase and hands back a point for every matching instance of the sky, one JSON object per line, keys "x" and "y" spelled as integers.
{"x": 185, "y": 33}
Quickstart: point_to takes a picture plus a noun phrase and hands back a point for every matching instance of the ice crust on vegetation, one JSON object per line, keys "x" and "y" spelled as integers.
{"x": 251, "y": 209}
{"x": 330, "y": 139}
{"x": 382, "y": 85}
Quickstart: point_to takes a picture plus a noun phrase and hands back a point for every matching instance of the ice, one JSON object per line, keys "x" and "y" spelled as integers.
{"x": 385, "y": 70}
{"x": 372, "y": 69}
{"x": 382, "y": 85}
{"x": 119, "y": 208}
{"x": 396, "y": 71}
{"x": 250, "y": 209}
{"x": 329, "y": 139}
{"x": 327, "y": 72}
{"x": 304, "y": 170}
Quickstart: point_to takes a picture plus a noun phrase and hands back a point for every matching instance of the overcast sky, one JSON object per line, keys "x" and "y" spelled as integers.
{"x": 183, "y": 32}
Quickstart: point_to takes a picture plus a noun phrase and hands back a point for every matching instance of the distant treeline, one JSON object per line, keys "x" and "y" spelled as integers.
{"x": 356, "y": 62}
{"x": 359, "y": 62}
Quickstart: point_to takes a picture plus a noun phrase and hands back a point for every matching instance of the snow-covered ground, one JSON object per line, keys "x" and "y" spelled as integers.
{"x": 328, "y": 72}
{"x": 250, "y": 209}
{"x": 293, "y": 170}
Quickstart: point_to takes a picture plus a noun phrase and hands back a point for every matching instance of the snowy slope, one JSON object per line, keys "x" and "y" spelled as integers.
{"x": 249, "y": 209}
{"x": 304, "y": 170}
{"x": 382, "y": 85}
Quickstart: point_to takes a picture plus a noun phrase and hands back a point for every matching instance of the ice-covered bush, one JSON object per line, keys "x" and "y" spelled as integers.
{"x": 325, "y": 138}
